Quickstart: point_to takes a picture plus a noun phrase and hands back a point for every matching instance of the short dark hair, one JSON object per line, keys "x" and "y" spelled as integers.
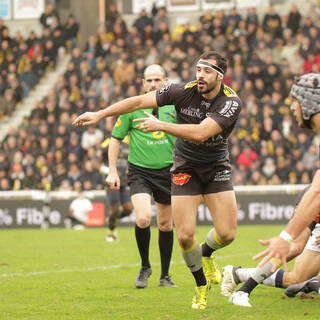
{"x": 221, "y": 60}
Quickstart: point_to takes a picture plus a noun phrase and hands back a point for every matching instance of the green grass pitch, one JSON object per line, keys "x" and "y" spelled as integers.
{"x": 65, "y": 274}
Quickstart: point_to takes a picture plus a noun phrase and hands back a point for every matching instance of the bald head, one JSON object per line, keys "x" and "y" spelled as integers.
{"x": 154, "y": 69}
{"x": 154, "y": 78}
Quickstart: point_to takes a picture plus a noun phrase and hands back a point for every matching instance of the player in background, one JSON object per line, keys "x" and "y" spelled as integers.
{"x": 119, "y": 201}
{"x": 79, "y": 209}
{"x": 150, "y": 160}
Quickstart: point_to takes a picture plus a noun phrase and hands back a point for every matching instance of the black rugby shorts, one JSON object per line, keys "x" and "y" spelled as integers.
{"x": 156, "y": 182}
{"x": 196, "y": 179}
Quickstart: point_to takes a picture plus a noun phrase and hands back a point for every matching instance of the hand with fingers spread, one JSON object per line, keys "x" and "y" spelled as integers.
{"x": 86, "y": 119}
{"x": 113, "y": 181}
{"x": 149, "y": 124}
{"x": 276, "y": 252}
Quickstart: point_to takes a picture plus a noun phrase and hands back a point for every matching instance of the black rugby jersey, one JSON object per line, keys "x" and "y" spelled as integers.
{"x": 192, "y": 108}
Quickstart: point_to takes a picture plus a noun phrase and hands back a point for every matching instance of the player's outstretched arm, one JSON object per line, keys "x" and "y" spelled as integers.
{"x": 128, "y": 105}
{"x": 113, "y": 179}
{"x": 306, "y": 211}
{"x": 195, "y": 132}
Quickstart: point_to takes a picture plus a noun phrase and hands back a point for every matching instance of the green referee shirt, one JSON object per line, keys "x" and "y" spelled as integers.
{"x": 152, "y": 150}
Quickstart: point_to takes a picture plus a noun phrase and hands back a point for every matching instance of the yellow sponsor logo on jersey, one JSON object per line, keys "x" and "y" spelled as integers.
{"x": 229, "y": 92}
{"x": 190, "y": 84}
{"x": 118, "y": 123}
{"x": 158, "y": 134}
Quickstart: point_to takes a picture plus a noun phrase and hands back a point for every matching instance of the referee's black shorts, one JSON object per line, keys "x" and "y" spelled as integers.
{"x": 156, "y": 182}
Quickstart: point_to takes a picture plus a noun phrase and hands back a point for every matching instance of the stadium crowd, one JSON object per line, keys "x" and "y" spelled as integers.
{"x": 264, "y": 57}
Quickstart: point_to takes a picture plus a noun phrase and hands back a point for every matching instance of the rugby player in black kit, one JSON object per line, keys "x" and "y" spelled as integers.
{"x": 207, "y": 111}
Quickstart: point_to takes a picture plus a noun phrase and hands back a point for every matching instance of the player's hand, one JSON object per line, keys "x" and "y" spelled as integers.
{"x": 86, "y": 119}
{"x": 113, "y": 181}
{"x": 276, "y": 253}
{"x": 149, "y": 124}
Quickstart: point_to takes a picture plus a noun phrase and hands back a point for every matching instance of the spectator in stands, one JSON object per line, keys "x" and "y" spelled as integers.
{"x": 160, "y": 18}
{"x": 7, "y": 103}
{"x": 74, "y": 173}
{"x": 50, "y": 54}
{"x": 247, "y": 156}
{"x": 48, "y": 16}
{"x": 234, "y": 16}
{"x": 92, "y": 175}
{"x": 310, "y": 157}
{"x": 259, "y": 83}
{"x": 294, "y": 19}
{"x": 31, "y": 179}
{"x": 17, "y": 175}
{"x": 272, "y": 22}
{"x": 27, "y": 79}
{"x": 4, "y": 162}
{"x": 142, "y": 21}
{"x": 91, "y": 137}
{"x": 70, "y": 30}
{"x": 252, "y": 17}
{"x": 93, "y": 46}
{"x": 5, "y": 184}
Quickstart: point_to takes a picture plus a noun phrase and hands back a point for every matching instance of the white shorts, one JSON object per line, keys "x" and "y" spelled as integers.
{"x": 311, "y": 244}
{"x": 80, "y": 216}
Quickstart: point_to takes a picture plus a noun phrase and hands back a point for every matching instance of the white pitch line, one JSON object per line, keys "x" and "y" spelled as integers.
{"x": 115, "y": 266}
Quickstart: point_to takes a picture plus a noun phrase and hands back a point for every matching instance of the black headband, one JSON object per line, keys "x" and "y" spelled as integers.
{"x": 205, "y": 63}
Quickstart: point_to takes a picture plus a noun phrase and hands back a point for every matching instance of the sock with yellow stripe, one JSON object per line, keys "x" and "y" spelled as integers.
{"x": 193, "y": 259}
{"x": 212, "y": 243}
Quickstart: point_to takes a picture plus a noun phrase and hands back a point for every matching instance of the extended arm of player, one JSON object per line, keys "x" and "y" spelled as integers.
{"x": 306, "y": 211}
{"x": 113, "y": 179}
{"x": 195, "y": 132}
{"x": 128, "y": 105}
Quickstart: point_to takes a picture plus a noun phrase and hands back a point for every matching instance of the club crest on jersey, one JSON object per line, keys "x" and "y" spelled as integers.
{"x": 181, "y": 178}
{"x": 158, "y": 134}
{"x": 229, "y": 109}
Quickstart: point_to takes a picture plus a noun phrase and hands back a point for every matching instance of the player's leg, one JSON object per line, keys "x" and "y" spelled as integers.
{"x": 161, "y": 189}
{"x": 265, "y": 275}
{"x": 306, "y": 267}
{"x": 232, "y": 275}
{"x": 184, "y": 209}
{"x": 223, "y": 210}
{"x": 125, "y": 202}
{"x": 142, "y": 205}
{"x": 165, "y": 241}
{"x": 114, "y": 205}
{"x": 313, "y": 285}
{"x": 141, "y": 200}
